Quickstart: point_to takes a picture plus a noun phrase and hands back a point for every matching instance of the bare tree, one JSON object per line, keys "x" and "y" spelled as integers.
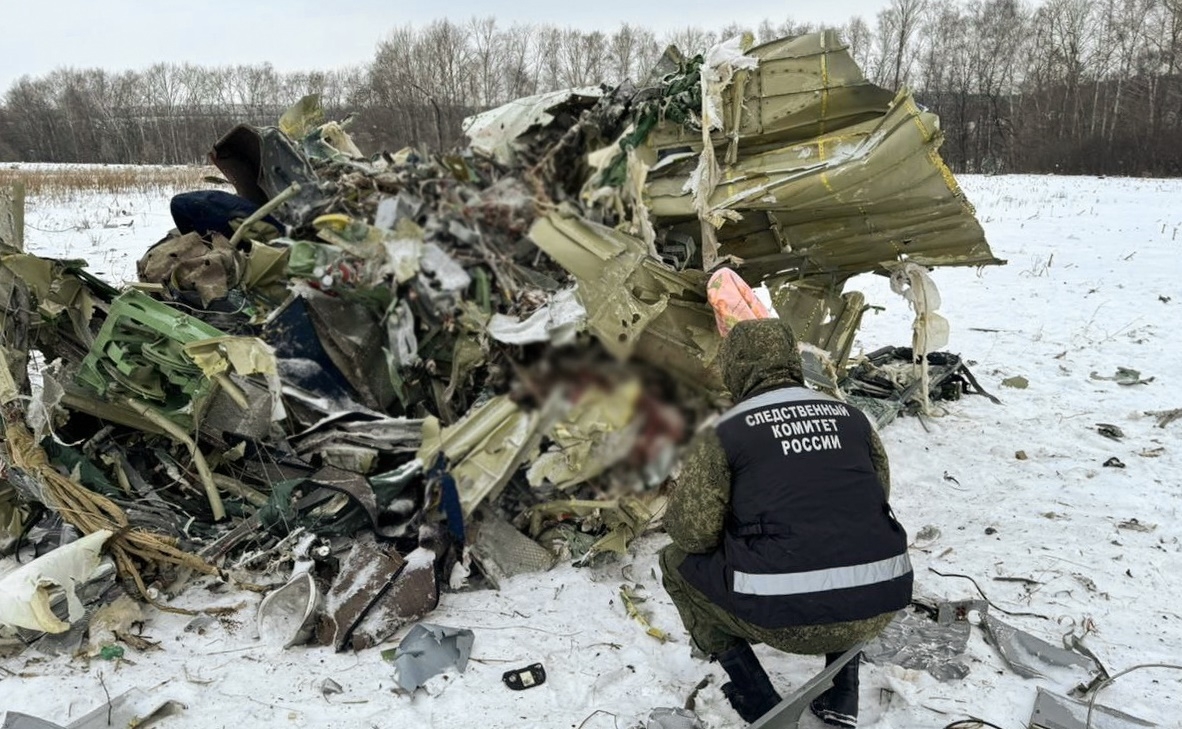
{"x": 1072, "y": 86}
{"x": 898, "y": 24}
{"x": 1129, "y": 28}
{"x": 946, "y": 72}
{"x": 1066, "y": 31}
{"x": 519, "y": 80}
{"x": 547, "y": 49}
{"x": 857, "y": 35}
{"x": 631, "y": 52}
{"x": 766, "y": 31}
{"x": 1162, "y": 61}
{"x": 691, "y": 40}
{"x": 487, "y": 50}
{"x": 733, "y": 30}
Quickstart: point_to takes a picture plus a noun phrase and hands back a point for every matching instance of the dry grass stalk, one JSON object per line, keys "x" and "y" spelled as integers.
{"x": 59, "y": 182}
{"x": 90, "y": 511}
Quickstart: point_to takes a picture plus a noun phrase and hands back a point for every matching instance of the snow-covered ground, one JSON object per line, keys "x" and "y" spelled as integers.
{"x": 1015, "y": 495}
{"x": 109, "y": 231}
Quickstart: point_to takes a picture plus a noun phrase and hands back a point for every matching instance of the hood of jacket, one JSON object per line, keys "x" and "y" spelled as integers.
{"x": 759, "y": 355}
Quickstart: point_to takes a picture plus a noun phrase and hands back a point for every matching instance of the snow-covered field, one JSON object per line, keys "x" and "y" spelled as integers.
{"x": 1015, "y": 496}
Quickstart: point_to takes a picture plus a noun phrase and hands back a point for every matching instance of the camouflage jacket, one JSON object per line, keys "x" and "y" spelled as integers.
{"x": 757, "y": 356}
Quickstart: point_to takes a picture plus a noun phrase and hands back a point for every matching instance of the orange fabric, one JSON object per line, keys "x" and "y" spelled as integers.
{"x": 733, "y": 300}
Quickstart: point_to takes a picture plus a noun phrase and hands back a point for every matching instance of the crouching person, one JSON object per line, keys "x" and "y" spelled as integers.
{"x": 782, "y": 531}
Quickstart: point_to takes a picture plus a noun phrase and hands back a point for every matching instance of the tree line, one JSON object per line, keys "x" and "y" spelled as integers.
{"x": 1068, "y": 86}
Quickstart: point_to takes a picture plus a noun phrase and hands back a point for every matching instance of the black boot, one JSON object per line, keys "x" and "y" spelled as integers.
{"x": 750, "y": 691}
{"x": 839, "y": 705}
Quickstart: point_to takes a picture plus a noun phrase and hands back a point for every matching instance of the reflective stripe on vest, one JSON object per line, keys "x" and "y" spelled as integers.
{"x": 834, "y": 578}
{"x": 775, "y": 397}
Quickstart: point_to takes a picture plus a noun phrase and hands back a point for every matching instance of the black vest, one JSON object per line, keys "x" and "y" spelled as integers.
{"x": 810, "y": 538}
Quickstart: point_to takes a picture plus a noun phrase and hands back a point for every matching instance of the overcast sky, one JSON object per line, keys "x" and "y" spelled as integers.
{"x": 118, "y": 35}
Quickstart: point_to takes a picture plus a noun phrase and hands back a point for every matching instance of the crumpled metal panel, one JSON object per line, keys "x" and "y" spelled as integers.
{"x": 14, "y": 313}
{"x": 493, "y": 132}
{"x": 912, "y": 640}
{"x": 485, "y": 447}
{"x": 605, "y": 262}
{"x": 820, "y": 314}
{"x": 822, "y": 176}
{"x": 367, "y": 573}
{"x": 670, "y": 718}
{"x": 1029, "y": 656}
{"x": 428, "y": 650}
{"x": 261, "y": 162}
{"x": 136, "y": 708}
{"x": 17, "y": 720}
{"x": 803, "y": 87}
{"x": 636, "y": 304}
{"x": 839, "y": 204}
{"x": 1057, "y": 712}
{"x": 415, "y": 593}
{"x": 503, "y": 552}
{"x": 352, "y": 335}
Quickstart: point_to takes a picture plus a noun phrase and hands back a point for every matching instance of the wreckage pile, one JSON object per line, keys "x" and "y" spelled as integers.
{"x": 386, "y": 369}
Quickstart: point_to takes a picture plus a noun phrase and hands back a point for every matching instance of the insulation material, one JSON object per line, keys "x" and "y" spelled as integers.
{"x": 722, "y": 62}
{"x": 912, "y": 282}
{"x": 111, "y": 620}
{"x": 557, "y": 321}
{"x": 25, "y": 593}
{"x": 929, "y": 331}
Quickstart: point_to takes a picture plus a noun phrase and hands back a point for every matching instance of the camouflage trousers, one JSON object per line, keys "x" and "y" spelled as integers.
{"x": 714, "y": 630}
